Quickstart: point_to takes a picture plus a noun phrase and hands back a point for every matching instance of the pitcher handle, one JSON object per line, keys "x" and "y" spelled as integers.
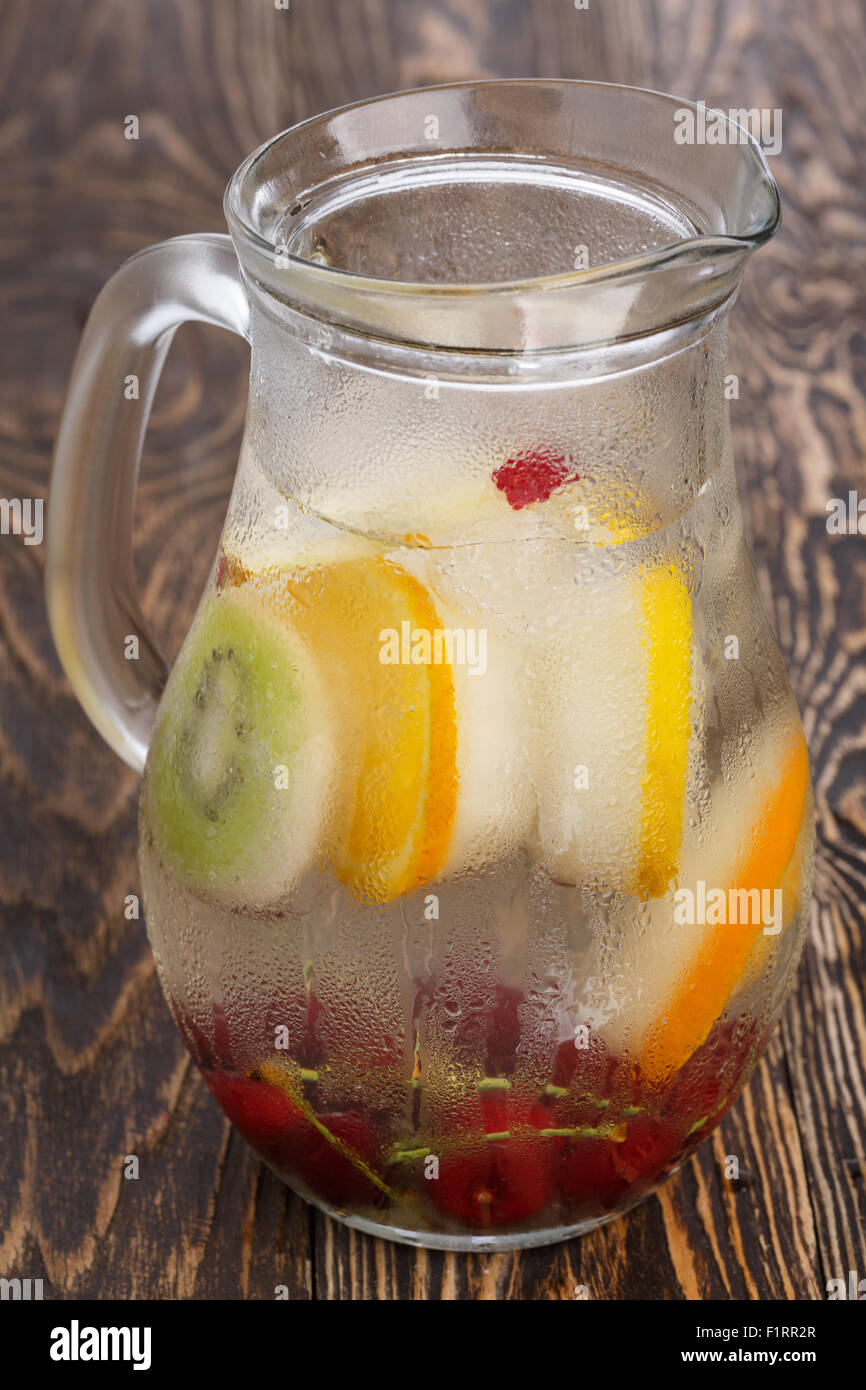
{"x": 90, "y": 586}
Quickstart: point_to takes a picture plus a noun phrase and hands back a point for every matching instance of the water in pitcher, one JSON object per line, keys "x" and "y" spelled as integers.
{"x": 473, "y": 860}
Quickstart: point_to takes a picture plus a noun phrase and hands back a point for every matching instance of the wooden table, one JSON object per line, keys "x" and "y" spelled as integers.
{"x": 92, "y": 1068}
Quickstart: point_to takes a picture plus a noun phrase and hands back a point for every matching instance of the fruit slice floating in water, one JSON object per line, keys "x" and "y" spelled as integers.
{"x": 798, "y": 872}
{"x": 496, "y": 807}
{"x": 666, "y": 620}
{"x": 612, "y": 727}
{"x": 689, "y": 972}
{"x": 432, "y": 760}
{"x": 397, "y": 787}
{"x": 241, "y": 754}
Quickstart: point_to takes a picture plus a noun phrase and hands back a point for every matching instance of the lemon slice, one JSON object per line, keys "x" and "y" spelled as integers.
{"x": 612, "y": 724}
{"x": 666, "y": 621}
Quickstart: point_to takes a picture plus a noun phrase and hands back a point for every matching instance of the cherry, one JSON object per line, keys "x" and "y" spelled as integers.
{"x": 588, "y": 1176}
{"x": 599, "y": 1085}
{"x": 709, "y": 1082}
{"x": 499, "y": 1181}
{"x": 532, "y": 477}
{"x": 598, "y": 1171}
{"x": 277, "y": 1126}
{"x": 245, "y": 1035}
{"x": 585, "y": 1070}
{"x": 492, "y": 1026}
{"x": 197, "y": 1043}
{"x": 503, "y": 1030}
{"x": 650, "y": 1147}
{"x": 262, "y": 1113}
{"x": 487, "y": 1028}
{"x": 330, "y": 1174}
{"x": 311, "y": 1052}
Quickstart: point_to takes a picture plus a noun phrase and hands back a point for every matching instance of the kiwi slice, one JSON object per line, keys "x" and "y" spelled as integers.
{"x": 233, "y": 754}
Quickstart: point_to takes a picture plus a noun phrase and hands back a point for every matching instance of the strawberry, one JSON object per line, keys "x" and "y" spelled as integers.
{"x": 489, "y": 1183}
{"x": 532, "y": 477}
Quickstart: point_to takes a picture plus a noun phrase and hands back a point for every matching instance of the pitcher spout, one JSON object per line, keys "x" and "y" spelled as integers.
{"x": 649, "y": 208}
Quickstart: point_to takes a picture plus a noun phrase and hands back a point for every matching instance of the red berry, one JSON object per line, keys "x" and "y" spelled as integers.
{"x": 194, "y": 1039}
{"x": 491, "y": 1026}
{"x": 275, "y": 1125}
{"x": 503, "y": 1031}
{"x": 263, "y": 1114}
{"x": 601, "y": 1087}
{"x": 597, "y": 1173}
{"x": 588, "y": 1176}
{"x": 650, "y": 1148}
{"x": 488, "y": 1183}
{"x": 585, "y": 1070}
{"x": 244, "y": 1030}
{"x": 533, "y": 477}
{"x": 330, "y": 1174}
{"x": 653, "y": 1131}
{"x": 709, "y": 1082}
{"x": 486, "y": 1030}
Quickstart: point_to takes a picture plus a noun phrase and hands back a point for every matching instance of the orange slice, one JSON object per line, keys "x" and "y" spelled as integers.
{"x": 703, "y": 988}
{"x": 395, "y": 805}
{"x": 795, "y": 885}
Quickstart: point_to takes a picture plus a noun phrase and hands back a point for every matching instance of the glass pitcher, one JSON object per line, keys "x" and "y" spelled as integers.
{"x": 476, "y": 827}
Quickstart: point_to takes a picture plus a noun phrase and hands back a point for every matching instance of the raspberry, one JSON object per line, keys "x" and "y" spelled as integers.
{"x": 533, "y": 477}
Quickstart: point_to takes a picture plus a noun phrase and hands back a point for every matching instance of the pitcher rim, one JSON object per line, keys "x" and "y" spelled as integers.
{"x": 705, "y": 245}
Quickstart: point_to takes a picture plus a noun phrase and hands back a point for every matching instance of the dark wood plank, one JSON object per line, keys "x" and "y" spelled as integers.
{"x": 90, "y": 1067}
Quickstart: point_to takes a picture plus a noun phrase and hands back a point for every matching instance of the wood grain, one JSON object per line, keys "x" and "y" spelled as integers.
{"x": 91, "y": 1069}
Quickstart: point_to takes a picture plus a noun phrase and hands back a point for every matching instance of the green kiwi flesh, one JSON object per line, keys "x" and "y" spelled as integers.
{"x": 231, "y": 717}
